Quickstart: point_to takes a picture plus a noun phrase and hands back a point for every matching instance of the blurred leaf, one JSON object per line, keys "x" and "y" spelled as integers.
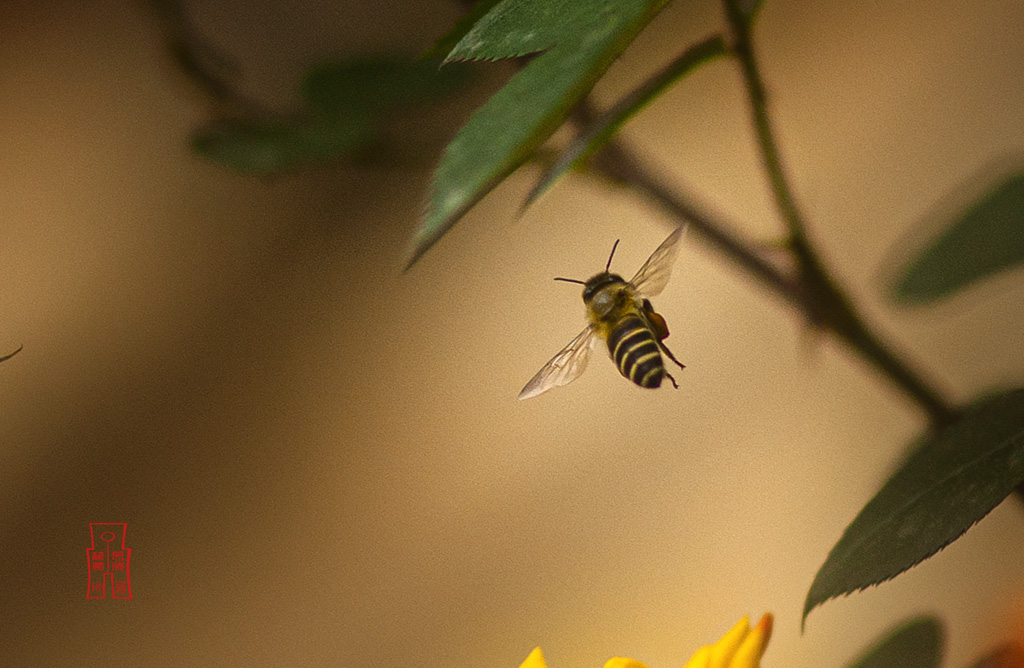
{"x": 987, "y": 238}
{"x": 347, "y": 106}
{"x": 10, "y": 355}
{"x": 604, "y": 128}
{"x": 579, "y": 40}
{"x": 952, "y": 480}
{"x": 444, "y": 45}
{"x": 1007, "y": 656}
{"x": 268, "y": 148}
{"x": 916, "y": 644}
{"x": 374, "y": 84}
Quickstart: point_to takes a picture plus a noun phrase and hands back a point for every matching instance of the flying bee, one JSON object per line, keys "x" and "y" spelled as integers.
{"x": 621, "y": 314}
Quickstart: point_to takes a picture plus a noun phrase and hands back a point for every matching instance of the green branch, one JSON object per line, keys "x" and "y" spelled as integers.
{"x": 812, "y": 290}
{"x": 827, "y": 305}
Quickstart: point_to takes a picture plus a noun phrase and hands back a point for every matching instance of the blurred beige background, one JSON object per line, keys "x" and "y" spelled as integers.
{"x": 321, "y": 460}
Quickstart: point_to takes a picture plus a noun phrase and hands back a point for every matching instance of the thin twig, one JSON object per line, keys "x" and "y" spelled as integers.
{"x": 203, "y": 64}
{"x": 10, "y": 355}
{"x": 828, "y": 305}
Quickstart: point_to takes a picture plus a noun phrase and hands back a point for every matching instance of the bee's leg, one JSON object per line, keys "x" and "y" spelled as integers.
{"x": 672, "y": 357}
{"x": 674, "y": 383}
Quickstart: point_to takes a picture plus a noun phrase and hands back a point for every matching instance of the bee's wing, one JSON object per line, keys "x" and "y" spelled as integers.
{"x": 564, "y": 367}
{"x": 653, "y": 276}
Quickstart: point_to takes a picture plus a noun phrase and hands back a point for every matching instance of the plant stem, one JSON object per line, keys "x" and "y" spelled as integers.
{"x": 813, "y": 290}
{"x": 203, "y": 64}
{"x": 829, "y": 305}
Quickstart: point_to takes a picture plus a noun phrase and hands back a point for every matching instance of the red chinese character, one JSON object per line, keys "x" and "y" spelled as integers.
{"x": 108, "y": 541}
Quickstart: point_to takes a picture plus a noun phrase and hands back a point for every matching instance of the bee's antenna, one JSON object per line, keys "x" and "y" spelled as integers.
{"x": 608, "y": 266}
{"x": 571, "y": 280}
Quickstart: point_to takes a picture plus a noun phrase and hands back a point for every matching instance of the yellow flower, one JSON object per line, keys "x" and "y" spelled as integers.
{"x": 535, "y": 660}
{"x": 741, "y": 647}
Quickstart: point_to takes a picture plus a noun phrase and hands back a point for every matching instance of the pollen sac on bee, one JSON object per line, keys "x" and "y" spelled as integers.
{"x": 657, "y": 321}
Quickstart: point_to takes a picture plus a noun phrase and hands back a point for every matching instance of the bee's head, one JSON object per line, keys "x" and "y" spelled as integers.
{"x": 597, "y": 282}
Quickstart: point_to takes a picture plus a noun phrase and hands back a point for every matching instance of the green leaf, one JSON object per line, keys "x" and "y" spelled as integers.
{"x": 916, "y": 644}
{"x": 1007, "y": 656}
{"x": 444, "y": 45}
{"x": 986, "y": 238}
{"x": 579, "y": 40}
{"x": 604, "y": 127}
{"x": 346, "y": 105}
{"x": 268, "y": 148}
{"x": 952, "y": 479}
{"x": 373, "y": 84}
{"x": 10, "y": 355}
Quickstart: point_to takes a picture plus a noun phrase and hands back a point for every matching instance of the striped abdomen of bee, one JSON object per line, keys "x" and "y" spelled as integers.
{"x": 636, "y": 353}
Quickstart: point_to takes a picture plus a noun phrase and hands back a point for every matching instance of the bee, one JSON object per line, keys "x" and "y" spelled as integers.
{"x": 621, "y": 314}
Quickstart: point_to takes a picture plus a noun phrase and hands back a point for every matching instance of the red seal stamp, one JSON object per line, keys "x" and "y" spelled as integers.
{"x": 108, "y": 560}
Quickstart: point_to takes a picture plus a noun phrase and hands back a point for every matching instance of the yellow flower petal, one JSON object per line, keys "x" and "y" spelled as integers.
{"x": 535, "y": 660}
{"x": 700, "y": 659}
{"x": 722, "y": 651}
{"x": 752, "y": 648}
{"x": 741, "y": 647}
{"x": 621, "y": 662}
